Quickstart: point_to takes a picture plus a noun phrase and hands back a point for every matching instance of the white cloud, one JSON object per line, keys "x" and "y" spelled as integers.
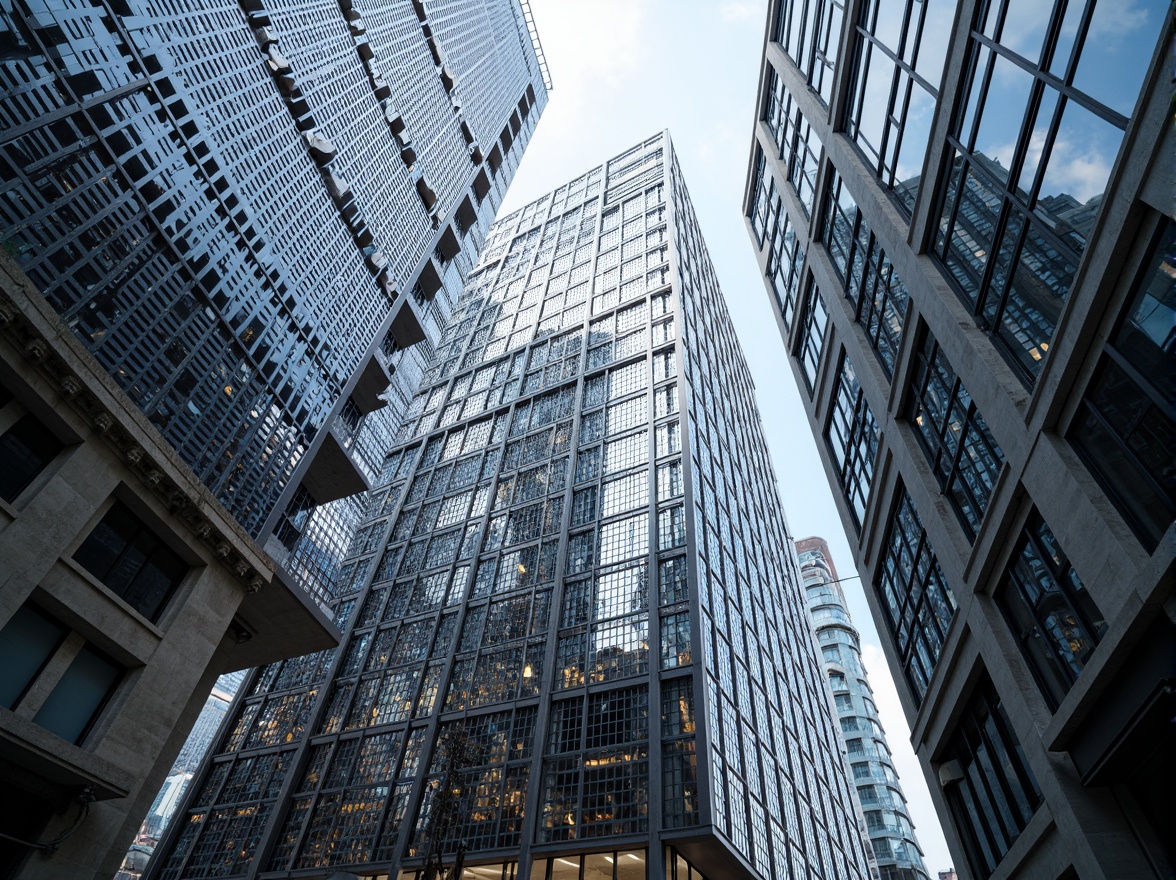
{"x": 740, "y": 10}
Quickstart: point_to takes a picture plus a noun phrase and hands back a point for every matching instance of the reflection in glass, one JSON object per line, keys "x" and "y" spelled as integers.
{"x": 1032, "y": 157}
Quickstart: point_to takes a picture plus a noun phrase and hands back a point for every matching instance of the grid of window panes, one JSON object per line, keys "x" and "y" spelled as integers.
{"x": 879, "y": 792}
{"x": 809, "y": 31}
{"x": 811, "y": 341}
{"x": 915, "y": 596}
{"x": 1040, "y": 96}
{"x": 1126, "y": 427}
{"x": 899, "y": 50}
{"x": 176, "y": 247}
{"x": 852, "y": 435}
{"x": 997, "y": 793}
{"x": 785, "y": 248}
{"x": 878, "y": 295}
{"x": 799, "y": 146}
{"x": 962, "y": 451}
{"x": 1056, "y": 621}
{"x": 780, "y": 795}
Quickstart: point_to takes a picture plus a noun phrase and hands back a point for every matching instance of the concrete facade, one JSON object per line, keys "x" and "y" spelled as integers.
{"x": 950, "y": 543}
{"x": 85, "y": 798}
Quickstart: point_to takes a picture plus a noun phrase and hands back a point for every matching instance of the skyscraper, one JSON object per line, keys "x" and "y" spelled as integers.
{"x": 961, "y": 211}
{"x": 231, "y": 233}
{"x": 249, "y": 211}
{"x": 895, "y": 852}
{"x": 575, "y": 633}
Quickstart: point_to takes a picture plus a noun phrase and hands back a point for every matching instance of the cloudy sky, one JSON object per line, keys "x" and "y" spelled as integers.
{"x": 625, "y": 69}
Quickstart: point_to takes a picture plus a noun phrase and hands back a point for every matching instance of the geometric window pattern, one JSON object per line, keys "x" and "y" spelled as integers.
{"x": 896, "y": 71}
{"x": 852, "y": 435}
{"x": 873, "y": 287}
{"x": 1014, "y": 219}
{"x": 1049, "y": 610}
{"x": 915, "y": 595}
{"x": 962, "y": 451}
{"x": 996, "y": 794}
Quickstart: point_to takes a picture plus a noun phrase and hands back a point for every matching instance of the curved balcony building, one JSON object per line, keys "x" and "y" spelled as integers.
{"x": 895, "y": 851}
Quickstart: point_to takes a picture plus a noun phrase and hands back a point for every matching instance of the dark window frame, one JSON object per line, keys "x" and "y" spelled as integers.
{"x": 1154, "y": 404}
{"x": 989, "y": 809}
{"x": 1039, "y": 565}
{"x": 145, "y": 540}
{"x": 957, "y": 473}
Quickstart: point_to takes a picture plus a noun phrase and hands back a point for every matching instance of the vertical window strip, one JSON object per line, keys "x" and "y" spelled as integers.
{"x": 915, "y": 596}
{"x": 852, "y": 435}
{"x": 1056, "y": 621}
{"x": 963, "y": 454}
{"x": 878, "y": 295}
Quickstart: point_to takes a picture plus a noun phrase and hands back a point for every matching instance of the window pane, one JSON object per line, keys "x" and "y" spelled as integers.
{"x": 79, "y": 696}
{"x": 129, "y": 559}
{"x": 25, "y": 448}
{"x": 1052, "y": 615}
{"x": 27, "y": 642}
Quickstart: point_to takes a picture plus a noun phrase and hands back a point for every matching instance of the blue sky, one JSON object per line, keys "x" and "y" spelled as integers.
{"x": 625, "y": 69}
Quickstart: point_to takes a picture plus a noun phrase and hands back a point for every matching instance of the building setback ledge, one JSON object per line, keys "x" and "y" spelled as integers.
{"x": 28, "y": 748}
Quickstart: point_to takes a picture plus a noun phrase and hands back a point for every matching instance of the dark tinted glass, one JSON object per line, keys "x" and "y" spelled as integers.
{"x": 1125, "y": 430}
{"x": 79, "y": 696}
{"x": 25, "y": 449}
{"x": 1053, "y": 616}
{"x": 27, "y": 642}
{"x": 126, "y": 556}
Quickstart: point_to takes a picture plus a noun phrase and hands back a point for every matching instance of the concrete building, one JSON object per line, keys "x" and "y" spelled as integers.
{"x": 125, "y": 590}
{"x": 576, "y": 638}
{"x": 962, "y": 214}
{"x": 895, "y": 852}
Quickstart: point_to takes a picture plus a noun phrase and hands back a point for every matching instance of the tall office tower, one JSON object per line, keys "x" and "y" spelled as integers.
{"x": 896, "y": 853}
{"x": 575, "y": 633}
{"x": 224, "y": 225}
{"x": 960, "y": 211}
{"x": 249, "y": 211}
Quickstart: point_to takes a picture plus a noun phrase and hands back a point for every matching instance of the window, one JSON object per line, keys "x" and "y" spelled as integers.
{"x": 915, "y": 596}
{"x": 852, "y": 435}
{"x": 1042, "y": 94}
{"x": 26, "y": 449}
{"x": 897, "y": 66}
{"x": 1053, "y": 616}
{"x": 75, "y": 703}
{"x": 132, "y": 561}
{"x": 1124, "y": 430}
{"x": 810, "y": 33}
{"x": 962, "y": 451}
{"x": 878, "y": 295}
{"x": 996, "y": 793}
{"x": 812, "y": 334}
{"x": 27, "y": 642}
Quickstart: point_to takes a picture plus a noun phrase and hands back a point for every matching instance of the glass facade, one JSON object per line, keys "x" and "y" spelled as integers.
{"x": 566, "y": 621}
{"x": 887, "y": 822}
{"x": 989, "y": 351}
{"x": 996, "y": 793}
{"x": 1049, "y": 610}
{"x": 228, "y": 209}
{"x": 961, "y": 450}
{"x": 1043, "y": 92}
{"x": 870, "y": 282}
{"x": 1126, "y": 430}
{"x": 916, "y": 596}
{"x": 852, "y": 436}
